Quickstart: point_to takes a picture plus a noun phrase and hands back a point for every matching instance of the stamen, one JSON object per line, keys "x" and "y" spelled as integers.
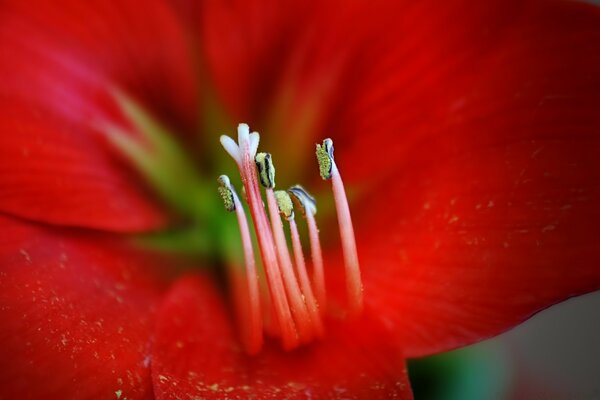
{"x": 244, "y": 157}
{"x": 286, "y": 208}
{"x": 329, "y": 170}
{"x": 253, "y": 334}
{"x": 308, "y": 205}
{"x": 299, "y": 309}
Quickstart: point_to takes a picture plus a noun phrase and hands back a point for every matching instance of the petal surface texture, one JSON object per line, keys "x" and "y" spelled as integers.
{"x": 59, "y": 64}
{"x": 468, "y": 131}
{"x": 480, "y": 196}
{"x": 197, "y": 354}
{"x": 468, "y": 137}
{"x": 77, "y": 315}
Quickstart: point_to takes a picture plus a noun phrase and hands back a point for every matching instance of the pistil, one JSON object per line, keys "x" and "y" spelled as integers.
{"x": 243, "y": 153}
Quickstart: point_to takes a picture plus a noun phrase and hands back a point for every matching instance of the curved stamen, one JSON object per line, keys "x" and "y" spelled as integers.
{"x": 308, "y": 205}
{"x": 299, "y": 310}
{"x": 285, "y": 206}
{"x": 245, "y": 160}
{"x": 329, "y": 170}
{"x": 253, "y": 328}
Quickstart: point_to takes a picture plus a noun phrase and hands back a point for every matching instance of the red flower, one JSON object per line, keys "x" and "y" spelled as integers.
{"x": 468, "y": 132}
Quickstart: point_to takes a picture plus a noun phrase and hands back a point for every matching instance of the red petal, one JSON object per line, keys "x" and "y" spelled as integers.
{"x": 77, "y": 313}
{"x": 474, "y": 127}
{"x": 278, "y": 66}
{"x": 197, "y": 354}
{"x": 481, "y": 167}
{"x": 58, "y": 62}
{"x": 247, "y": 44}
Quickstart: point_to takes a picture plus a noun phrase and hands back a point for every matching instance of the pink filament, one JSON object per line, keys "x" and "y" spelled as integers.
{"x": 353, "y": 279}
{"x": 318, "y": 274}
{"x": 299, "y": 309}
{"x": 304, "y": 281}
{"x": 267, "y": 248}
{"x": 253, "y": 336}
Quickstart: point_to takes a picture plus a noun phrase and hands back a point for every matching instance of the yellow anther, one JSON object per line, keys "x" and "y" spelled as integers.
{"x": 303, "y": 200}
{"x": 325, "y": 158}
{"x": 266, "y": 170}
{"x": 226, "y": 192}
{"x": 284, "y": 203}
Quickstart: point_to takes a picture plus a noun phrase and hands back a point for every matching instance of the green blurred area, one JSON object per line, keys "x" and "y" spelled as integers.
{"x": 472, "y": 373}
{"x": 555, "y": 355}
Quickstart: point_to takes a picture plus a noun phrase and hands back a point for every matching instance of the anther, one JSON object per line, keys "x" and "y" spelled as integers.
{"x": 303, "y": 200}
{"x": 266, "y": 170}
{"x": 325, "y": 158}
{"x": 226, "y": 193}
{"x": 329, "y": 170}
{"x": 284, "y": 203}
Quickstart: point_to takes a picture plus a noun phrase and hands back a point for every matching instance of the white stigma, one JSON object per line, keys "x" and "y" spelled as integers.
{"x": 231, "y": 148}
{"x": 247, "y": 142}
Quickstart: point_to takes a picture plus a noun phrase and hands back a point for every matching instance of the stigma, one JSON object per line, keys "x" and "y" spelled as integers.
{"x": 291, "y": 301}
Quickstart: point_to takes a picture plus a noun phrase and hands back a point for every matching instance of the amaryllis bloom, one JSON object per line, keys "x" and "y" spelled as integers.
{"x": 466, "y": 134}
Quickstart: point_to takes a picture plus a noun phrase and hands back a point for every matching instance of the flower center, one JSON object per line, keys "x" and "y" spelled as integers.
{"x": 293, "y": 304}
{"x": 275, "y": 294}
